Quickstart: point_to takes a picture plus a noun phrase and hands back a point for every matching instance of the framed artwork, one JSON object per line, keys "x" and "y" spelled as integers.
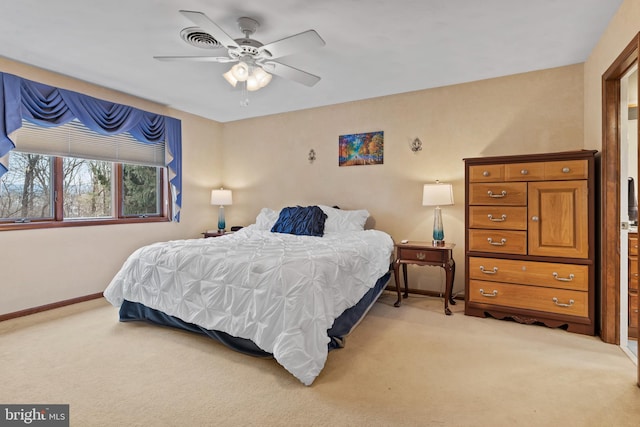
{"x": 361, "y": 149}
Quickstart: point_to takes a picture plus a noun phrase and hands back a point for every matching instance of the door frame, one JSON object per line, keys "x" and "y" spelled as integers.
{"x": 610, "y": 193}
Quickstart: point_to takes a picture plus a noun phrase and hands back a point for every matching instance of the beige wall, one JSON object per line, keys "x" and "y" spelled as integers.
{"x": 265, "y": 163}
{"x": 623, "y": 27}
{"x": 265, "y": 159}
{"x": 40, "y": 267}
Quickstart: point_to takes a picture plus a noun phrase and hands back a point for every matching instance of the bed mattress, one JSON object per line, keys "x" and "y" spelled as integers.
{"x": 341, "y": 328}
{"x": 280, "y": 291}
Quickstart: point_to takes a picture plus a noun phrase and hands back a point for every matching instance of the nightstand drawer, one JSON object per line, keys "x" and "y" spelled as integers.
{"x": 419, "y": 255}
{"x": 560, "y": 301}
{"x": 500, "y": 241}
{"x": 498, "y": 217}
{"x": 503, "y": 193}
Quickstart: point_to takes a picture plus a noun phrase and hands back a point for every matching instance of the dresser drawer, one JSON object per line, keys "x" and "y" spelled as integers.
{"x": 633, "y": 309}
{"x": 559, "y": 301}
{"x": 547, "y": 274}
{"x": 633, "y": 244}
{"x": 500, "y": 241}
{"x": 533, "y": 171}
{"x": 498, "y": 217}
{"x": 486, "y": 173}
{"x": 498, "y": 193}
{"x": 566, "y": 169}
{"x": 633, "y": 273}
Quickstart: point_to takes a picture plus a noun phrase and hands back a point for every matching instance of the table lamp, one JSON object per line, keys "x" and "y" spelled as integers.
{"x": 437, "y": 195}
{"x": 221, "y": 198}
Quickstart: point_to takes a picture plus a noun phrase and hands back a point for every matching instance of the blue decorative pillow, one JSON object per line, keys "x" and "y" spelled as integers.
{"x": 301, "y": 221}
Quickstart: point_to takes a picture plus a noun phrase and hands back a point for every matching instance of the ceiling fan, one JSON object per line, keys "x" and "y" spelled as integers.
{"x": 255, "y": 62}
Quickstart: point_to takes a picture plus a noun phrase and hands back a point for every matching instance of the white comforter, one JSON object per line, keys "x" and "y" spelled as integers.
{"x": 279, "y": 290}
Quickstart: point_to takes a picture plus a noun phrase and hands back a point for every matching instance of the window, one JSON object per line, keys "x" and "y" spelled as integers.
{"x": 71, "y": 175}
{"x": 140, "y": 194}
{"x": 25, "y": 191}
{"x": 86, "y": 188}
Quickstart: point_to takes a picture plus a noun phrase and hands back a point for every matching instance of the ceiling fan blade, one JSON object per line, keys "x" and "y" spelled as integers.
{"x": 291, "y": 73}
{"x": 221, "y": 59}
{"x": 202, "y": 21}
{"x": 292, "y": 44}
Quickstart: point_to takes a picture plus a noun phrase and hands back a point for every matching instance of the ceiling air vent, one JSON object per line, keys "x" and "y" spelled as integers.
{"x": 197, "y": 37}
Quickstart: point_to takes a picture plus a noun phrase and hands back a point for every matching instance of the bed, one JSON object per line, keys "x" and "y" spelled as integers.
{"x": 291, "y": 286}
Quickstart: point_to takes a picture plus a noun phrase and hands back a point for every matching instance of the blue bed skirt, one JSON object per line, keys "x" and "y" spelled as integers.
{"x": 343, "y": 325}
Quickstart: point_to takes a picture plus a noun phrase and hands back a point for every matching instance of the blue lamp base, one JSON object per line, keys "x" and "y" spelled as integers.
{"x": 221, "y": 223}
{"x": 438, "y": 229}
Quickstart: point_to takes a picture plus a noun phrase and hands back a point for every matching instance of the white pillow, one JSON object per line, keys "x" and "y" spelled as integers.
{"x": 266, "y": 218}
{"x": 340, "y": 220}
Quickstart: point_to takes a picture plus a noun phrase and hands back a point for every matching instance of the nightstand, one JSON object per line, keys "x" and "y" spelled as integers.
{"x": 424, "y": 253}
{"x": 214, "y": 233}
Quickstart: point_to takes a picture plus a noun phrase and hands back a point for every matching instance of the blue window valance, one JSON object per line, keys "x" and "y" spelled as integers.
{"x": 50, "y": 106}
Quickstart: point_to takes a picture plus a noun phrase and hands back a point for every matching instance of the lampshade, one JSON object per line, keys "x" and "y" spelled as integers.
{"x": 437, "y": 194}
{"x": 252, "y": 83}
{"x": 240, "y": 71}
{"x": 229, "y": 77}
{"x": 221, "y": 197}
{"x": 263, "y": 78}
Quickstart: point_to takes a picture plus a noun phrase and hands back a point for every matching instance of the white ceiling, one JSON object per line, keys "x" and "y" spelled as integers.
{"x": 373, "y": 47}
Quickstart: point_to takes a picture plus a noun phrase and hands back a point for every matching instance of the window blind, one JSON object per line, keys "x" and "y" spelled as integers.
{"x": 74, "y": 139}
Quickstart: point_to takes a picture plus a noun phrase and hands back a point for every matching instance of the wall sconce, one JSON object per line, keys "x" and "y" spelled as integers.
{"x": 416, "y": 145}
{"x": 312, "y": 155}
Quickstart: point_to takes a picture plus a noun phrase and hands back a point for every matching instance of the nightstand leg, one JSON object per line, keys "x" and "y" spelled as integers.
{"x": 406, "y": 282}
{"x": 453, "y": 275}
{"x": 396, "y": 266}
{"x": 450, "y": 269}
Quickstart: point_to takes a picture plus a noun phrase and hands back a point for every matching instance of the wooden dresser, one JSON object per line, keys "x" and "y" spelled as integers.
{"x": 530, "y": 239}
{"x": 633, "y": 285}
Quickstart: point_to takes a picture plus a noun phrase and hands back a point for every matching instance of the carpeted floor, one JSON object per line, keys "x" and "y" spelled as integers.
{"x": 407, "y": 366}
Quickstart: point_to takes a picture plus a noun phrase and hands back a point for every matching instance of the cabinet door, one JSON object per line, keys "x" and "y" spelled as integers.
{"x": 558, "y": 219}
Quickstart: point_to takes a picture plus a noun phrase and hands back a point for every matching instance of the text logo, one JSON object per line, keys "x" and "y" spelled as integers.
{"x": 34, "y": 415}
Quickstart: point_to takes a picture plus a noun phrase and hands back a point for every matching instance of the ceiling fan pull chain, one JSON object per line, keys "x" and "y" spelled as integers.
{"x": 244, "y": 101}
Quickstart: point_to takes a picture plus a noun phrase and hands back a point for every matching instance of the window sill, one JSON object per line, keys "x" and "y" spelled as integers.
{"x": 78, "y": 223}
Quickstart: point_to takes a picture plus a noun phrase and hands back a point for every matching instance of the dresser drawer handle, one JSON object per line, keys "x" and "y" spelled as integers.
{"x": 500, "y": 243}
{"x": 497, "y": 196}
{"x": 491, "y": 295}
{"x": 421, "y": 256}
{"x": 501, "y": 219}
{"x": 566, "y": 170}
{"x": 524, "y": 172}
{"x": 563, "y": 279}
{"x": 559, "y": 304}
{"x": 485, "y": 173}
{"x": 494, "y": 271}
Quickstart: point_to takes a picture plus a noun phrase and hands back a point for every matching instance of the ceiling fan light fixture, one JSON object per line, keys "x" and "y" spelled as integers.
{"x": 262, "y": 77}
{"x": 228, "y": 76}
{"x": 240, "y": 71}
{"x": 252, "y": 83}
